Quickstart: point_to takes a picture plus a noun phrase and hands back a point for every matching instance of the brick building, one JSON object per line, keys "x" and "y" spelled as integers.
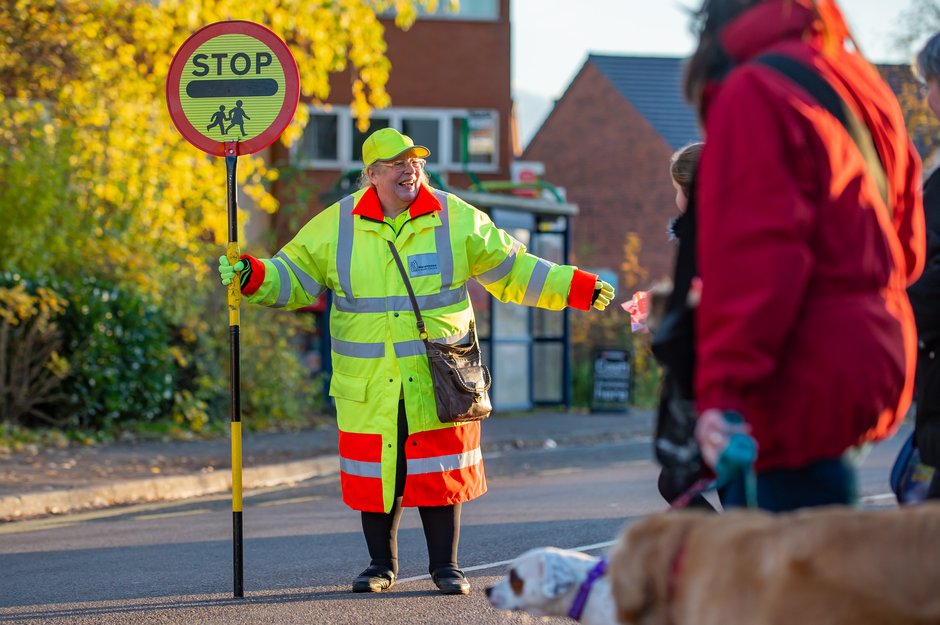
{"x": 449, "y": 80}
{"x": 607, "y": 142}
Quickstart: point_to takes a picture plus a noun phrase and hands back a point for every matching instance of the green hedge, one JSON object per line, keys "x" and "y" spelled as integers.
{"x": 131, "y": 367}
{"x": 117, "y": 346}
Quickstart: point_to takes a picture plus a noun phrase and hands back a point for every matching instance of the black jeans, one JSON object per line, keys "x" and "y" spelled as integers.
{"x": 820, "y": 483}
{"x": 441, "y": 523}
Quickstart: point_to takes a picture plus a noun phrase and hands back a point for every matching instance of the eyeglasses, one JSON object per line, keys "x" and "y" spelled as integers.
{"x": 403, "y": 165}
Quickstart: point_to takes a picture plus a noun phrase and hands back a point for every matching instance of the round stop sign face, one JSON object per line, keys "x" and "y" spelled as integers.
{"x": 232, "y": 81}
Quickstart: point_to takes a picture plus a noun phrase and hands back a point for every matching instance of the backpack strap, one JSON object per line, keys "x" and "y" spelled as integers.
{"x": 817, "y": 86}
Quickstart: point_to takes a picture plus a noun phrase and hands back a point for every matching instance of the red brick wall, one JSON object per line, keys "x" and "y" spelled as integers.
{"x": 449, "y": 64}
{"x": 615, "y": 167}
{"x": 436, "y": 64}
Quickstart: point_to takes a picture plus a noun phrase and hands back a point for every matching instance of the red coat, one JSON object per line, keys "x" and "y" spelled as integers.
{"x": 804, "y": 325}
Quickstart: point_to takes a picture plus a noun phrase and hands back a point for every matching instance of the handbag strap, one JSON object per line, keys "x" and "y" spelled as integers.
{"x": 826, "y": 96}
{"x": 422, "y": 332}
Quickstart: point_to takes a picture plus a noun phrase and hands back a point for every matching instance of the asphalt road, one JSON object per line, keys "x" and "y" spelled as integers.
{"x": 172, "y": 562}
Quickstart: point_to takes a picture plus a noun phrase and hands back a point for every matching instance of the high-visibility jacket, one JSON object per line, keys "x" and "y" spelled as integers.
{"x": 377, "y": 354}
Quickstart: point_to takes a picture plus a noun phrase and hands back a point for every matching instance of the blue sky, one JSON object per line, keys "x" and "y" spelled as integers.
{"x": 552, "y": 38}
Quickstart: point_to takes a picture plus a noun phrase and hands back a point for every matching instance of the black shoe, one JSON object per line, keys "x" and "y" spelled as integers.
{"x": 374, "y": 579}
{"x": 451, "y": 581}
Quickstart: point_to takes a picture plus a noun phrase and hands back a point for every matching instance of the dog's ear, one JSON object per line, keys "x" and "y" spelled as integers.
{"x": 558, "y": 575}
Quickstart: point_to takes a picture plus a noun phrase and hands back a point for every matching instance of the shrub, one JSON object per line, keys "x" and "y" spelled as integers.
{"x": 118, "y": 349}
{"x": 121, "y": 360}
{"x": 277, "y": 390}
{"x": 593, "y": 332}
{"x": 102, "y": 358}
{"x": 31, "y": 368}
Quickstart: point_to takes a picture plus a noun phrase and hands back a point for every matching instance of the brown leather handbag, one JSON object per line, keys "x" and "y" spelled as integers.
{"x": 461, "y": 380}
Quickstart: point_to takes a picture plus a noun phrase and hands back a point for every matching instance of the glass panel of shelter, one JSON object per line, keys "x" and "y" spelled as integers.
{"x": 548, "y": 329}
{"x": 511, "y": 329}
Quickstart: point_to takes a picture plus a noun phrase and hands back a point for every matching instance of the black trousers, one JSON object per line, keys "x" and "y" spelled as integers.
{"x": 441, "y": 523}
{"x": 831, "y": 481}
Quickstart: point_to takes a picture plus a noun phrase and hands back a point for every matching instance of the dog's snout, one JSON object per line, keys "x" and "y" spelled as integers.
{"x": 488, "y": 589}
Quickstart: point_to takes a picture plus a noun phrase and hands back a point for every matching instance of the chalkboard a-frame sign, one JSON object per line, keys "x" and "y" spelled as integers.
{"x": 611, "y": 389}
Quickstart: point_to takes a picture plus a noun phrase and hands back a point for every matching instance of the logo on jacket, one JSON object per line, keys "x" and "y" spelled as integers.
{"x": 422, "y": 265}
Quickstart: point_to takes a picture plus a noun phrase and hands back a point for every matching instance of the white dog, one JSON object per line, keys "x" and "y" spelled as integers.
{"x": 556, "y": 582}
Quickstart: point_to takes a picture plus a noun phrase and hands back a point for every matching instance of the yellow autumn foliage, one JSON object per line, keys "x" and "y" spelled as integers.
{"x": 96, "y": 183}
{"x": 95, "y": 177}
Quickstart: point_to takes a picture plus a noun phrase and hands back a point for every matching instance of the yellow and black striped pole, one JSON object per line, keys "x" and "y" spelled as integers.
{"x": 234, "y": 303}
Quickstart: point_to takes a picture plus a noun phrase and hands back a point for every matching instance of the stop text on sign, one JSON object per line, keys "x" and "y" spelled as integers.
{"x": 239, "y": 63}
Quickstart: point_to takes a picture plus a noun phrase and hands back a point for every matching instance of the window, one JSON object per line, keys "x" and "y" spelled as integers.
{"x": 426, "y": 132}
{"x": 459, "y": 139}
{"x": 358, "y": 138}
{"x": 320, "y": 139}
{"x": 474, "y": 138}
{"x": 469, "y": 10}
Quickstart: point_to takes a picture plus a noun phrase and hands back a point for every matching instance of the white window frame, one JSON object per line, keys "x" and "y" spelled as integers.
{"x": 491, "y": 13}
{"x": 444, "y": 117}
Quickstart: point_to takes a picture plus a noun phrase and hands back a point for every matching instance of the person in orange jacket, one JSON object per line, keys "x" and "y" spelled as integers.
{"x": 804, "y": 326}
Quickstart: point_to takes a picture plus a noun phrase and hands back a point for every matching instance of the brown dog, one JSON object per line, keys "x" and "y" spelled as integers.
{"x": 832, "y": 566}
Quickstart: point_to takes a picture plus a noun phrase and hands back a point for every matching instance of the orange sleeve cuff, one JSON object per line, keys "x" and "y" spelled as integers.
{"x": 582, "y": 289}
{"x": 257, "y": 274}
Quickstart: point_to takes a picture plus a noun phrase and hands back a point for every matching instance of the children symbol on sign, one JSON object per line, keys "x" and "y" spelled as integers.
{"x": 218, "y": 119}
{"x": 237, "y": 116}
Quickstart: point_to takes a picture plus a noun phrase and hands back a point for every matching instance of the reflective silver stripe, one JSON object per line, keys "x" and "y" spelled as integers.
{"x": 437, "y": 300}
{"x": 360, "y": 468}
{"x": 404, "y": 349}
{"x": 361, "y": 305}
{"x": 454, "y": 339}
{"x": 344, "y": 245}
{"x": 416, "y": 347}
{"x": 310, "y": 286}
{"x": 445, "y": 254}
{"x": 501, "y": 270}
{"x": 357, "y": 350}
{"x": 536, "y": 282}
{"x": 439, "y": 464}
{"x": 283, "y": 293}
{"x": 400, "y": 303}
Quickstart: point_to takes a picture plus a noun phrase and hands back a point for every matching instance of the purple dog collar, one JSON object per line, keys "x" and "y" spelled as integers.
{"x": 579, "y": 602}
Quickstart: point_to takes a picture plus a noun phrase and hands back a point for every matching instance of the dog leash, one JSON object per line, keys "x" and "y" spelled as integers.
{"x": 577, "y": 608}
{"x": 700, "y": 486}
{"x": 737, "y": 457}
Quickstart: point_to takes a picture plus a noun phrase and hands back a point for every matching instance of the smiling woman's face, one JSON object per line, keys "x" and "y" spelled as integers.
{"x": 397, "y": 182}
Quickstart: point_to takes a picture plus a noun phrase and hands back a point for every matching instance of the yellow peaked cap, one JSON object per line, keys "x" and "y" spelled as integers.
{"x": 387, "y": 144}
